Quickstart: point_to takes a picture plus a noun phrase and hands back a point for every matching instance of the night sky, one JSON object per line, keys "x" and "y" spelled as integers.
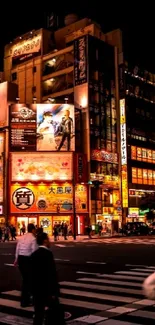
{"x": 137, "y": 23}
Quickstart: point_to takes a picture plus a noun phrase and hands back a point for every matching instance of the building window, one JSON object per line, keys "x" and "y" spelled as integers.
{"x": 34, "y": 69}
{"x": 14, "y": 76}
{"x": 143, "y": 176}
{"x": 142, "y": 154}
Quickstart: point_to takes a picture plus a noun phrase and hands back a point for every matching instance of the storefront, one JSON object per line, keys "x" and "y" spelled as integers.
{"x": 137, "y": 215}
{"x": 37, "y": 199}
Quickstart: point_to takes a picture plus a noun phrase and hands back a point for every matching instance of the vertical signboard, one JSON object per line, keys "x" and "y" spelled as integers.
{"x": 80, "y": 60}
{"x": 124, "y": 174}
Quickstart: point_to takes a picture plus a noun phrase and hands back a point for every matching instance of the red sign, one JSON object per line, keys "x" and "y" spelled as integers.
{"x": 105, "y": 156}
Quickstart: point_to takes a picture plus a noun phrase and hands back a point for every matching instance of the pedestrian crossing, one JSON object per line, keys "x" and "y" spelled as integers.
{"x": 120, "y": 240}
{"x": 93, "y": 298}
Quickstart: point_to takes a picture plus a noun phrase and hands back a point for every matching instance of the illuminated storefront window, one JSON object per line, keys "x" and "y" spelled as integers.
{"x": 142, "y": 154}
{"x": 143, "y": 176}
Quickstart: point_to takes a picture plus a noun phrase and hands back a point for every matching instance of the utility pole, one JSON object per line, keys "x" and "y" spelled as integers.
{"x": 74, "y": 209}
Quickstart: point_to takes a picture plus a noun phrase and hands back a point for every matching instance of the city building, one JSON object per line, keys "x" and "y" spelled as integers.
{"x": 76, "y": 65}
{"x": 80, "y": 66}
{"x": 137, "y": 102}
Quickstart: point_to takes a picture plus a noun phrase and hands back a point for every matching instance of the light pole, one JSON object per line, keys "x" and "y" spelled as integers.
{"x": 74, "y": 210}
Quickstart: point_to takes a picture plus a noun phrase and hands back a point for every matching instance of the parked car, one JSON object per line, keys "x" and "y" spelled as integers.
{"x": 136, "y": 228}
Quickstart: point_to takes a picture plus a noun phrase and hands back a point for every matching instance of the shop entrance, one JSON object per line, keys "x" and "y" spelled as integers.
{"x": 23, "y": 222}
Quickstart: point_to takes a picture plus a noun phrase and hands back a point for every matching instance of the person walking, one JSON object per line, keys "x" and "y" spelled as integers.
{"x": 45, "y": 286}
{"x": 25, "y": 247}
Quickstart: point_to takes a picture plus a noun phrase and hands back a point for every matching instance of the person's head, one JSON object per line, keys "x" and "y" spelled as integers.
{"x": 43, "y": 240}
{"x": 67, "y": 114}
{"x": 47, "y": 116}
{"x": 31, "y": 228}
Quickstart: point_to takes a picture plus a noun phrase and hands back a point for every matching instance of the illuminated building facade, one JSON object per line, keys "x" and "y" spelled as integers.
{"x": 137, "y": 90}
{"x": 78, "y": 67}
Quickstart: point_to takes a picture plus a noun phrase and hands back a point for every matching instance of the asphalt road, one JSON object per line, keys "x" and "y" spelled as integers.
{"x": 93, "y": 264}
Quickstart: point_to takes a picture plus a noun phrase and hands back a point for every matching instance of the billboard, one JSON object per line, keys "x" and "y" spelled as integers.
{"x": 80, "y": 60}
{"x": 55, "y": 127}
{"x": 42, "y": 127}
{"x": 26, "y": 49}
{"x": 41, "y": 166}
{"x": 52, "y": 198}
{"x": 23, "y": 127}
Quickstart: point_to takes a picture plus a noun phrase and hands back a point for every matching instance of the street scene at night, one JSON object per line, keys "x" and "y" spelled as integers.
{"x": 101, "y": 283}
{"x": 77, "y": 168}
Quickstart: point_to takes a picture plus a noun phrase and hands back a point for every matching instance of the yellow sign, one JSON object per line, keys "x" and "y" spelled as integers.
{"x": 124, "y": 187}
{"x": 122, "y": 111}
{"x": 134, "y": 211}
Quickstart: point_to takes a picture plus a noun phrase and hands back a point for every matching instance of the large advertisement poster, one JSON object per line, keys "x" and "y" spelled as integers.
{"x": 53, "y": 198}
{"x": 41, "y": 166}
{"x": 42, "y": 127}
{"x": 23, "y": 127}
{"x": 44, "y": 198}
{"x": 55, "y": 127}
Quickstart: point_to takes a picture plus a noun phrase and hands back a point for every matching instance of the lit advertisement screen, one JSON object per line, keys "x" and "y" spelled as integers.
{"x": 55, "y": 127}
{"x": 23, "y": 127}
{"x": 41, "y": 166}
{"x": 42, "y": 127}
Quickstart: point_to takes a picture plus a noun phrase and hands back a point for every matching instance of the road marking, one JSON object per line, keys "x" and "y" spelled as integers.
{"x": 90, "y": 319}
{"x": 60, "y": 245}
{"x": 121, "y": 310}
{"x": 119, "y": 276}
{"x": 62, "y": 260}
{"x": 91, "y": 262}
{"x": 132, "y": 273}
{"x": 7, "y": 264}
{"x": 143, "y": 270}
{"x": 101, "y": 288}
{"x": 138, "y": 265}
{"x": 89, "y": 273}
{"x": 145, "y": 302}
{"x": 98, "y": 295}
{"x": 13, "y": 304}
{"x": 106, "y": 281}
{"x": 14, "y": 293}
{"x": 14, "y": 320}
{"x": 64, "y": 301}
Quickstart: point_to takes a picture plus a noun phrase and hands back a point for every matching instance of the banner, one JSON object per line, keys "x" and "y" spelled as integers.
{"x": 80, "y": 60}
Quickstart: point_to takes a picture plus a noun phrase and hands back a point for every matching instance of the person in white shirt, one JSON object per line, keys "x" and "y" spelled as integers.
{"x": 25, "y": 247}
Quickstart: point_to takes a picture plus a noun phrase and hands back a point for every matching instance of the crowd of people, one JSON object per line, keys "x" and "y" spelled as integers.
{"x": 7, "y": 233}
{"x": 39, "y": 277}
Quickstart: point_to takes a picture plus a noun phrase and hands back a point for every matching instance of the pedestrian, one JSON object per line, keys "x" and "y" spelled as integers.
{"x": 25, "y": 247}
{"x": 45, "y": 286}
{"x": 6, "y": 233}
{"x": 13, "y": 232}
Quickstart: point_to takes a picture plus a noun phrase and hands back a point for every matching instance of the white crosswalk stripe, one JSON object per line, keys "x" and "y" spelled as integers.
{"x": 121, "y": 240}
{"x": 102, "y": 299}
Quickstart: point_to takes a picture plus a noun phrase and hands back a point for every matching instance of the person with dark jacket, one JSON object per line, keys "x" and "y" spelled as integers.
{"x": 45, "y": 286}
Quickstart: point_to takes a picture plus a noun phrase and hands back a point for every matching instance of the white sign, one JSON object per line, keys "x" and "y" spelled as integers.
{"x": 27, "y": 47}
{"x": 123, "y": 145}
{"x": 23, "y": 198}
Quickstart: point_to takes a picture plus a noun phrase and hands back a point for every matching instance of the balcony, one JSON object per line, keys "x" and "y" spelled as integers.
{"x": 57, "y": 84}
{"x": 57, "y": 63}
